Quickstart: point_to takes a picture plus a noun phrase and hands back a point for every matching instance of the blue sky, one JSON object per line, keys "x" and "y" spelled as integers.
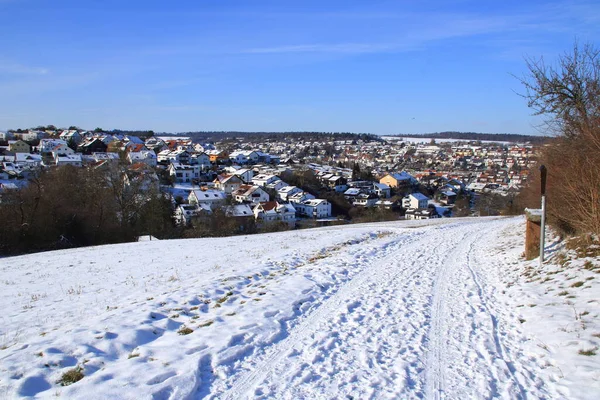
{"x": 361, "y": 66}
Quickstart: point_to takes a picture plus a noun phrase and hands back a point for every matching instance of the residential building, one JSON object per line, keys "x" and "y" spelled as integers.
{"x": 228, "y": 183}
{"x": 250, "y": 194}
{"x": 147, "y": 157}
{"x": 398, "y": 180}
{"x": 415, "y": 200}
{"x": 61, "y": 159}
{"x": 183, "y": 173}
{"x": 313, "y": 208}
{"x": 207, "y": 196}
{"x": 273, "y": 211}
{"x": 19, "y": 146}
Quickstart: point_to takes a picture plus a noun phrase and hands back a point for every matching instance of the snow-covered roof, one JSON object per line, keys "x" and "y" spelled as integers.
{"x": 240, "y": 210}
{"x": 419, "y": 196}
{"x": 209, "y": 195}
{"x": 352, "y": 192}
{"x": 288, "y": 189}
{"x": 401, "y": 176}
{"x": 381, "y": 186}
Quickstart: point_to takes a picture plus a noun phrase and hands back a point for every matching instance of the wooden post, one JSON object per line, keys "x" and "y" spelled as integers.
{"x": 543, "y": 173}
{"x": 533, "y": 233}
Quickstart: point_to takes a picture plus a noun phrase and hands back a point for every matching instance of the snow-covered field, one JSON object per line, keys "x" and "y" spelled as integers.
{"x": 422, "y": 309}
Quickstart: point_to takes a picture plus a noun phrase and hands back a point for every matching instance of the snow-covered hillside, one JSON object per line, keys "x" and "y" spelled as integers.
{"x": 423, "y": 309}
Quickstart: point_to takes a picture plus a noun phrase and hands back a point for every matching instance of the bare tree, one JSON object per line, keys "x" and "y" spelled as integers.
{"x": 568, "y": 95}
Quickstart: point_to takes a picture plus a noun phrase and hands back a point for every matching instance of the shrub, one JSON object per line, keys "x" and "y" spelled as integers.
{"x": 71, "y": 376}
{"x": 184, "y": 330}
{"x": 589, "y": 352}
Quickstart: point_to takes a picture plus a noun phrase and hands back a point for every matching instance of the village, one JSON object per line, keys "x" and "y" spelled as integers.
{"x": 290, "y": 180}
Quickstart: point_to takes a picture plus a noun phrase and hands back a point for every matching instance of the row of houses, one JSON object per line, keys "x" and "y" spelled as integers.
{"x": 250, "y": 195}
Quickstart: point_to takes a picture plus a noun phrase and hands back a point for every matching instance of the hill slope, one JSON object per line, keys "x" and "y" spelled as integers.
{"x": 392, "y": 310}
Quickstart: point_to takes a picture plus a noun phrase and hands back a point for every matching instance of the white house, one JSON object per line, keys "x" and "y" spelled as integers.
{"x": 148, "y": 157}
{"x": 276, "y": 185}
{"x": 366, "y": 200}
{"x": 245, "y": 174}
{"x": 314, "y": 208}
{"x": 250, "y": 194}
{"x": 421, "y": 213}
{"x": 154, "y": 142}
{"x": 31, "y": 135}
{"x": 300, "y": 197}
{"x": 183, "y": 173}
{"x": 68, "y": 159}
{"x": 287, "y": 191}
{"x": 202, "y": 159}
{"x": 382, "y": 190}
{"x": 71, "y": 135}
{"x": 239, "y": 210}
{"x": 163, "y": 156}
{"x": 54, "y": 145}
{"x": 31, "y": 160}
{"x": 272, "y": 211}
{"x": 208, "y": 196}
{"x": 238, "y": 157}
{"x": 228, "y": 183}
{"x": 415, "y": 200}
{"x": 176, "y": 156}
{"x": 264, "y": 179}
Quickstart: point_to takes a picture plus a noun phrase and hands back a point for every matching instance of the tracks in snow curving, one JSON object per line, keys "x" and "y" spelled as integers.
{"x": 397, "y": 263}
{"x": 415, "y": 322}
{"x": 259, "y": 370}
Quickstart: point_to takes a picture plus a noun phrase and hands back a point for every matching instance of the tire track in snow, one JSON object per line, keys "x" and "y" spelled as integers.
{"x": 379, "y": 273}
{"x": 449, "y": 321}
{"x": 435, "y": 365}
{"x": 502, "y": 353}
{"x": 260, "y": 370}
{"x": 387, "y": 341}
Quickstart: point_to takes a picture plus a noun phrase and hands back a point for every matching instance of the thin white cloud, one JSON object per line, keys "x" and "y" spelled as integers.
{"x": 19, "y": 69}
{"x": 344, "y": 48}
{"x": 410, "y": 36}
{"x": 415, "y": 30}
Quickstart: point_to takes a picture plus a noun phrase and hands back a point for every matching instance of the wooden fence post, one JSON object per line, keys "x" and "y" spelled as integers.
{"x": 533, "y": 233}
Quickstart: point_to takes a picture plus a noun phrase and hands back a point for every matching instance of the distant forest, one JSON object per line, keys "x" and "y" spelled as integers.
{"x": 474, "y": 136}
{"x": 215, "y": 136}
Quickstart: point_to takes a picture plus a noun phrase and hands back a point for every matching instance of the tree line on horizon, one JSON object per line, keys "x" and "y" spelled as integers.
{"x": 475, "y": 136}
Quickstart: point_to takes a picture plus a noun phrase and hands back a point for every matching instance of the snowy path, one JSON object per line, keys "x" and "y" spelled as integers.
{"x": 372, "y": 311}
{"x": 413, "y": 323}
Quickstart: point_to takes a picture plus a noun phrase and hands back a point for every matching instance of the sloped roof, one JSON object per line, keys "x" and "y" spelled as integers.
{"x": 419, "y": 196}
{"x": 240, "y": 210}
{"x": 268, "y": 205}
{"x": 402, "y": 176}
{"x": 208, "y": 195}
{"x": 246, "y": 190}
